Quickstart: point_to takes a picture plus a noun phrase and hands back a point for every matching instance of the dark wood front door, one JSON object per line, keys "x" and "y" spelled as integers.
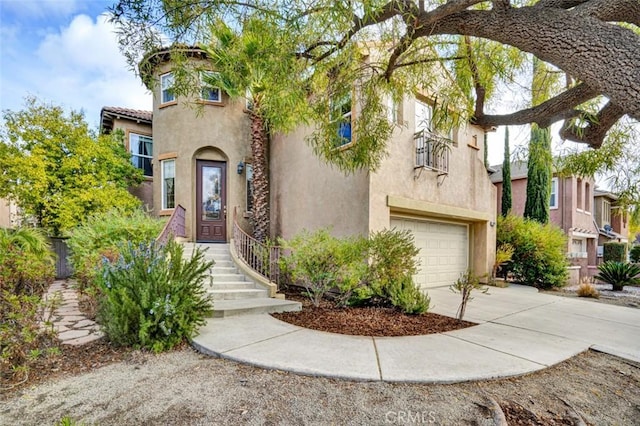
{"x": 211, "y": 201}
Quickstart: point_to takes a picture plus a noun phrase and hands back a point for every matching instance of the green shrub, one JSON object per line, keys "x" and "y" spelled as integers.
{"x": 377, "y": 271}
{"x": 618, "y": 274}
{"x": 635, "y": 253}
{"x": 539, "y": 257}
{"x": 614, "y": 251}
{"x": 321, "y": 262}
{"x": 152, "y": 297}
{"x": 26, "y": 271}
{"x": 100, "y": 236}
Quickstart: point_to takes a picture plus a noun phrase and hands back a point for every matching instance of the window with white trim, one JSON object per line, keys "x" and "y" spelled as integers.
{"x": 606, "y": 213}
{"x": 166, "y": 88}
{"x": 553, "y": 202}
{"x": 168, "y": 184}
{"x": 141, "y": 149}
{"x": 424, "y": 121}
{"x": 249, "y": 185}
{"x": 208, "y": 92}
{"x": 587, "y": 197}
{"x": 341, "y": 112}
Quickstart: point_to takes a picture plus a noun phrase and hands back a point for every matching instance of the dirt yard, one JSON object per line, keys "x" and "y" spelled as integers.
{"x": 187, "y": 388}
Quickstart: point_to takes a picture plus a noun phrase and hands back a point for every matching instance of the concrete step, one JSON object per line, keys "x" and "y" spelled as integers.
{"x": 221, "y": 270}
{"x": 228, "y": 294}
{"x": 227, "y": 277}
{"x": 238, "y": 285}
{"x": 225, "y": 308}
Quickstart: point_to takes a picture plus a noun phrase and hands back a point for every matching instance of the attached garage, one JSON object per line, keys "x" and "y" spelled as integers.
{"x": 444, "y": 250}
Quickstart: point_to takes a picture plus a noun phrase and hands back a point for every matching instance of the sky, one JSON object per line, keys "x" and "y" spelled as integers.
{"x": 64, "y": 52}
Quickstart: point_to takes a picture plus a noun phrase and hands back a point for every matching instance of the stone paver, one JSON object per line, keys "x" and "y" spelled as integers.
{"x": 68, "y": 321}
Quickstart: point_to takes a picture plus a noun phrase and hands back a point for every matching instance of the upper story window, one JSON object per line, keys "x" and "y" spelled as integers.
{"x": 141, "y": 148}
{"x": 579, "y": 195}
{"x": 587, "y": 197}
{"x": 166, "y": 88}
{"x": 341, "y": 112}
{"x": 423, "y": 116}
{"x": 393, "y": 111}
{"x": 553, "y": 202}
{"x": 606, "y": 213}
{"x": 208, "y": 92}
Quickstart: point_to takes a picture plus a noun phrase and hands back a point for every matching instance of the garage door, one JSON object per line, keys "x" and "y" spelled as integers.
{"x": 444, "y": 250}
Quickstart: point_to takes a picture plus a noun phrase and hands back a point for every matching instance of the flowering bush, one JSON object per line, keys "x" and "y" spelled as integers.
{"x": 151, "y": 296}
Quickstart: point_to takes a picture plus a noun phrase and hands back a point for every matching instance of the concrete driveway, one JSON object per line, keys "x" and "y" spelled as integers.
{"x": 519, "y": 331}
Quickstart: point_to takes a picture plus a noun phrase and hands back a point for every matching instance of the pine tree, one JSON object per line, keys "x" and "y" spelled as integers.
{"x": 539, "y": 175}
{"x": 506, "y": 176}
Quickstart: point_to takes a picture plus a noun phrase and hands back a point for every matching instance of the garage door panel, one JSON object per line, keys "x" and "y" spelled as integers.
{"x": 444, "y": 250}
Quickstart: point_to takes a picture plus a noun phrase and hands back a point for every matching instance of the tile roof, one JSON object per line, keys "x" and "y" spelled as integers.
{"x": 134, "y": 114}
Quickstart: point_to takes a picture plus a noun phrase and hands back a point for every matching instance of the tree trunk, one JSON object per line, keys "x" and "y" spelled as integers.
{"x": 259, "y": 143}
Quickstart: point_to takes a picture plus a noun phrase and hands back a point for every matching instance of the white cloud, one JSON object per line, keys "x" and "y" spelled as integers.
{"x": 41, "y": 8}
{"x": 78, "y": 66}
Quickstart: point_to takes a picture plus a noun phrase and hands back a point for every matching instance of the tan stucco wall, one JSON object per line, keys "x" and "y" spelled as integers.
{"x": 465, "y": 195}
{"x": 309, "y": 194}
{"x": 190, "y": 131}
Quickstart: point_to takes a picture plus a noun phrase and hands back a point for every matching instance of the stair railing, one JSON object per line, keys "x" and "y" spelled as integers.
{"x": 262, "y": 258}
{"x": 175, "y": 227}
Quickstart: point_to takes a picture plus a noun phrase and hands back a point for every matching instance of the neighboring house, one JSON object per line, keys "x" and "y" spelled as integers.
{"x": 9, "y": 215}
{"x": 612, "y": 221}
{"x": 571, "y": 208}
{"x": 202, "y": 161}
{"x": 138, "y": 140}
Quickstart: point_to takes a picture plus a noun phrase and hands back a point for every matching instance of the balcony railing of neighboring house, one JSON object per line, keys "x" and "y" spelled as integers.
{"x": 262, "y": 258}
{"x": 175, "y": 227}
{"x": 432, "y": 151}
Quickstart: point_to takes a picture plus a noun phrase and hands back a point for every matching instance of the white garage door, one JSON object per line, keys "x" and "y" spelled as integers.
{"x": 444, "y": 250}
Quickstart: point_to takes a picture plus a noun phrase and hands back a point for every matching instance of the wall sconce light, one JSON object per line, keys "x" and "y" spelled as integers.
{"x": 240, "y": 167}
{"x": 492, "y": 224}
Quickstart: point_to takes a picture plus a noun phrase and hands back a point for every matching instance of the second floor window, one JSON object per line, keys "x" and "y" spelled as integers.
{"x": 341, "y": 112}
{"x": 553, "y": 202}
{"x": 606, "y": 213}
{"x": 166, "y": 88}
{"x": 141, "y": 148}
{"x": 423, "y": 116}
{"x": 208, "y": 92}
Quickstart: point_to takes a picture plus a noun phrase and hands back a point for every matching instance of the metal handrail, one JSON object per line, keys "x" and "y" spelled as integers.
{"x": 175, "y": 226}
{"x": 432, "y": 151}
{"x": 262, "y": 258}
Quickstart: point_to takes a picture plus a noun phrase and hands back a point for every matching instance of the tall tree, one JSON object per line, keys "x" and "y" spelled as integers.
{"x": 255, "y": 63}
{"x": 539, "y": 175}
{"x": 59, "y": 171}
{"x": 506, "y": 176}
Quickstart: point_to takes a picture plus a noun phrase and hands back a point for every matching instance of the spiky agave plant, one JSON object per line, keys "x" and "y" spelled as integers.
{"x": 619, "y": 274}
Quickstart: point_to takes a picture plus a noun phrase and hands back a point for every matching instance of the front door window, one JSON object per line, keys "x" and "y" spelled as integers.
{"x": 211, "y": 193}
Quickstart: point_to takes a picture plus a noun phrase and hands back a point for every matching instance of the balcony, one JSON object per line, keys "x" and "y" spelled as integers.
{"x": 432, "y": 152}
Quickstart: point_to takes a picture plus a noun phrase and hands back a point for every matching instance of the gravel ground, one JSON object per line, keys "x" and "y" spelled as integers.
{"x": 187, "y": 388}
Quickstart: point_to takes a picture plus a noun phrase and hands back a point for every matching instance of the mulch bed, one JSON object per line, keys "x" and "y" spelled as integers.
{"x": 366, "y": 321}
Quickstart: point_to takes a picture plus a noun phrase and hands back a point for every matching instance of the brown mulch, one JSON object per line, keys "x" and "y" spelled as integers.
{"x": 366, "y": 321}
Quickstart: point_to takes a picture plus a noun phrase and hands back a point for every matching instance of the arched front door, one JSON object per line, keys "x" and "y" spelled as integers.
{"x": 211, "y": 201}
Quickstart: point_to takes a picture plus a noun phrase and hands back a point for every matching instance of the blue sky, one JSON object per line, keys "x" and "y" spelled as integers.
{"x": 64, "y": 52}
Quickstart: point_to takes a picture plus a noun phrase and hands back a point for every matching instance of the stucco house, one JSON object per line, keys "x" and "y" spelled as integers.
{"x": 571, "y": 207}
{"x": 201, "y": 159}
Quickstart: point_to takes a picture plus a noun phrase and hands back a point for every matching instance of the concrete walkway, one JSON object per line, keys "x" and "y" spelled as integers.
{"x": 72, "y": 326}
{"x": 520, "y": 331}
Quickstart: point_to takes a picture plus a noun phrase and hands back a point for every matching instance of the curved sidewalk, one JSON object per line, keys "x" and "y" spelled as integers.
{"x": 520, "y": 331}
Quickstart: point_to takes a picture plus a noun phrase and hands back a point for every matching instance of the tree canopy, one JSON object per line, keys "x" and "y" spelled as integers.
{"x": 58, "y": 170}
{"x": 461, "y": 53}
